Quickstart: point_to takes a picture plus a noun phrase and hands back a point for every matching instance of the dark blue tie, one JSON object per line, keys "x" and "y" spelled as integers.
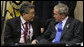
{"x": 58, "y": 34}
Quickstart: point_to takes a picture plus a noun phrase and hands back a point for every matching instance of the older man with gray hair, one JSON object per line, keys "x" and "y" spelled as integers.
{"x": 62, "y": 29}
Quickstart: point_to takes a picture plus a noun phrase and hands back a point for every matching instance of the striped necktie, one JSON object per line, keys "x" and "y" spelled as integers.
{"x": 25, "y": 33}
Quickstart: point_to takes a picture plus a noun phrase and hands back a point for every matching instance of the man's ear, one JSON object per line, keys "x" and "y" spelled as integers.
{"x": 62, "y": 16}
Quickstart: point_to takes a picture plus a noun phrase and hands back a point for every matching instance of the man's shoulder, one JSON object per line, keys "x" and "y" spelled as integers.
{"x": 13, "y": 19}
{"x": 51, "y": 22}
{"x": 76, "y": 20}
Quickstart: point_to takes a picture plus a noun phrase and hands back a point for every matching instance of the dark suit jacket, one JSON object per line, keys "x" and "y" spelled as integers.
{"x": 72, "y": 32}
{"x": 13, "y": 30}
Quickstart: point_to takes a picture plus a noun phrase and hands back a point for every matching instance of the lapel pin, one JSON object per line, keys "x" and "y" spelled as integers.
{"x": 67, "y": 25}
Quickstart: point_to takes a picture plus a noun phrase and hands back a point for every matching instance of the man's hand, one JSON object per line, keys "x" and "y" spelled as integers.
{"x": 66, "y": 44}
{"x": 34, "y": 41}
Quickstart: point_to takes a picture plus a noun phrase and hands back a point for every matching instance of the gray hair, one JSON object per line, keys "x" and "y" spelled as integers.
{"x": 63, "y": 9}
{"x": 25, "y": 7}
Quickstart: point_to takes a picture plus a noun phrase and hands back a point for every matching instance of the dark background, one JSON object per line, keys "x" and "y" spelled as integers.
{"x": 44, "y": 9}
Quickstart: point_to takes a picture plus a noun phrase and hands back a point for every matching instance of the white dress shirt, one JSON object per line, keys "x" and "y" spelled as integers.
{"x": 23, "y": 29}
{"x": 63, "y": 24}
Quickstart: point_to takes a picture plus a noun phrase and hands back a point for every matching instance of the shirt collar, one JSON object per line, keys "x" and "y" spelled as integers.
{"x": 64, "y": 21}
{"x": 22, "y": 20}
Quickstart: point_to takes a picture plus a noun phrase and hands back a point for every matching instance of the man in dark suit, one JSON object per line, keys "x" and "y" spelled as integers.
{"x": 44, "y": 10}
{"x": 62, "y": 29}
{"x": 23, "y": 29}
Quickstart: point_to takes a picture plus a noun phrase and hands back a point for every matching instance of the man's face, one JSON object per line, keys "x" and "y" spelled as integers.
{"x": 30, "y": 15}
{"x": 57, "y": 16}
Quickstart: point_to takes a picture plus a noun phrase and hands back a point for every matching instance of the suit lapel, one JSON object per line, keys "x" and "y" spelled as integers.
{"x": 53, "y": 29}
{"x": 18, "y": 25}
{"x": 32, "y": 23}
{"x": 66, "y": 27}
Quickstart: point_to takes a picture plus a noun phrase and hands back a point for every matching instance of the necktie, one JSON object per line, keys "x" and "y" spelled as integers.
{"x": 58, "y": 34}
{"x": 25, "y": 33}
